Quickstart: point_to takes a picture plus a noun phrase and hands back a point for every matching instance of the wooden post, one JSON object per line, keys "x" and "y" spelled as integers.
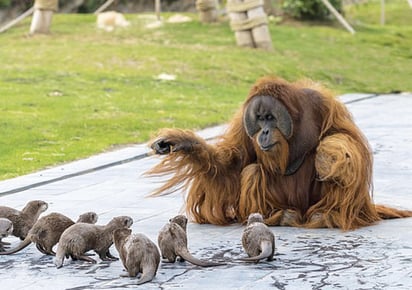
{"x": 260, "y": 33}
{"x": 382, "y": 12}
{"x": 42, "y": 16}
{"x": 248, "y": 20}
{"x": 338, "y": 16}
{"x": 158, "y": 9}
{"x": 207, "y": 10}
{"x": 243, "y": 37}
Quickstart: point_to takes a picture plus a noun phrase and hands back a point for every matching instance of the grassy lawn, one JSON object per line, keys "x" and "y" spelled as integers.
{"x": 82, "y": 91}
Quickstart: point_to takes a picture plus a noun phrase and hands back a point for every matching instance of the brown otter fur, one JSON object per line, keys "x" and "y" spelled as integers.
{"x": 47, "y": 230}
{"x": 138, "y": 254}
{"x": 6, "y": 229}
{"x": 257, "y": 239}
{"x": 172, "y": 241}
{"x": 79, "y": 238}
{"x": 23, "y": 220}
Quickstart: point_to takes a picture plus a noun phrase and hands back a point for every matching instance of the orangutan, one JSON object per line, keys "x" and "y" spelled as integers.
{"x": 291, "y": 153}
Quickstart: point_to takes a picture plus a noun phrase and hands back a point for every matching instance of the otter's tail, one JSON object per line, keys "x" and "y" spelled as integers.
{"x": 267, "y": 253}
{"x": 386, "y": 212}
{"x": 147, "y": 276}
{"x": 21, "y": 246}
{"x": 184, "y": 253}
{"x": 60, "y": 254}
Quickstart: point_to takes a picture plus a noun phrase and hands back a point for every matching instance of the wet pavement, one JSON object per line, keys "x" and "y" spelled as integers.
{"x": 111, "y": 184}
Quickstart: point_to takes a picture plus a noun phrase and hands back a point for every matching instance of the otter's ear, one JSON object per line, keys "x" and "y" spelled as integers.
{"x": 128, "y": 222}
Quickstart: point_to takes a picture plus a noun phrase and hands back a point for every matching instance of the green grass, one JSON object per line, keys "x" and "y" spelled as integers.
{"x": 81, "y": 91}
{"x": 397, "y": 12}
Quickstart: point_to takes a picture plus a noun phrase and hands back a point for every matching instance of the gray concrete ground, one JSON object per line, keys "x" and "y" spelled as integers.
{"x": 375, "y": 257}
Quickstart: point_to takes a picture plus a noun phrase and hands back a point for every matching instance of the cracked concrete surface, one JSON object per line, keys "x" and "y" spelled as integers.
{"x": 375, "y": 257}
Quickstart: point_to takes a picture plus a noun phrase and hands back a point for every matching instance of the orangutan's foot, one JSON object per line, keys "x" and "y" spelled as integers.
{"x": 317, "y": 220}
{"x": 290, "y": 218}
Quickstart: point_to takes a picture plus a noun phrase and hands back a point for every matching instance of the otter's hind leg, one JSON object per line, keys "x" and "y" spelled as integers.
{"x": 84, "y": 258}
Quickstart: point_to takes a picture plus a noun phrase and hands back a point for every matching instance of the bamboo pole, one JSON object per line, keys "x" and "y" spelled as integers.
{"x": 104, "y": 6}
{"x": 410, "y": 3}
{"x": 382, "y": 12}
{"x": 338, "y": 16}
{"x": 17, "y": 20}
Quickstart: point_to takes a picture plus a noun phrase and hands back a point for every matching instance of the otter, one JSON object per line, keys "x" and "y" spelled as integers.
{"x": 79, "y": 238}
{"x": 47, "y": 230}
{"x": 6, "y": 229}
{"x": 257, "y": 239}
{"x": 138, "y": 254}
{"x": 23, "y": 220}
{"x": 172, "y": 241}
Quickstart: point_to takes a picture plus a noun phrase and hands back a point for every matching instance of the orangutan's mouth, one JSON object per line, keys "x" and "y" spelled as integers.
{"x": 268, "y": 147}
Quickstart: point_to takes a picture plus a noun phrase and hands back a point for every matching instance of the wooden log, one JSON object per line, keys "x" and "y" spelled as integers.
{"x": 260, "y": 33}
{"x": 42, "y": 16}
{"x": 208, "y": 16}
{"x": 52, "y": 5}
{"x": 41, "y": 21}
{"x": 158, "y": 9}
{"x": 207, "y": 10}
{"x": 17, "y": 20}
{"x": 243, "y": 37}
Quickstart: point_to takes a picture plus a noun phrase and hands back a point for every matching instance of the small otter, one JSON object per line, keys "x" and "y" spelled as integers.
{"x": 172, "y": 241}
{"x": 79, "y": 238}
{"x": 47, "y": 230}
{"x": 137, "y": 253}
{"x": 257, "y": 239}
{"x": 6, "y": 229}
{"x": 23, "y": 220}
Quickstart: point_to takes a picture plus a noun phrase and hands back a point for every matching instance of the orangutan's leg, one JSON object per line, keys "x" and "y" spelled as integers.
{"x": 284, "y": 217}
{"x": 257, "y": 196}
